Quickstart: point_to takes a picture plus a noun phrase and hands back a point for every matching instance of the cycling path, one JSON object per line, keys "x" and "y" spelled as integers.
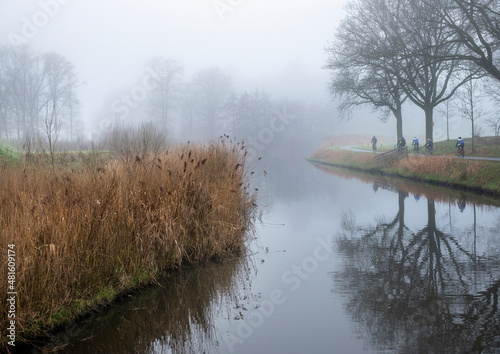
{"x": 350, "y": 148}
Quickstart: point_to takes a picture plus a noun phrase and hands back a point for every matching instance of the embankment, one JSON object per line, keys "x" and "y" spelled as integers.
{"x": 480, "y": 176}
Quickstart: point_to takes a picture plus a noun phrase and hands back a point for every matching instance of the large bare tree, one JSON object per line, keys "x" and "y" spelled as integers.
{"x": 428, "y": 82}
{"x": 365, "y": 68}
{"x": 476, "y": 25}
{"x": 390, "y": 46}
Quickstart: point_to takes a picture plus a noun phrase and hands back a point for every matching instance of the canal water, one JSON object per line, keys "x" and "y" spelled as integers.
{"x": 340, "y": 262}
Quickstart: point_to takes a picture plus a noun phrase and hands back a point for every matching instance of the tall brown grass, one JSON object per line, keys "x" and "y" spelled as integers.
{"x": 82, "y": 231}
{"x": 443, "y": 166}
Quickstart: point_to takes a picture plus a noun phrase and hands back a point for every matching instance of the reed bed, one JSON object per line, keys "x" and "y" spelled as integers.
{"x": 444, "y": 166}
{"x": 84, "y": 234}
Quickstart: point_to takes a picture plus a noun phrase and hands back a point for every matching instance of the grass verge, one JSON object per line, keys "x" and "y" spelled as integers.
{"x": 483, "y": 176}
{"x": 83, "y": 235}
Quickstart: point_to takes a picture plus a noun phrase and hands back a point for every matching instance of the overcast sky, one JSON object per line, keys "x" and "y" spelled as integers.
{"x": 257, "y": 41}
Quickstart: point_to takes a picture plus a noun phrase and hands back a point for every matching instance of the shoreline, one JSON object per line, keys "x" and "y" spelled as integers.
{"x": 471, "y": 175}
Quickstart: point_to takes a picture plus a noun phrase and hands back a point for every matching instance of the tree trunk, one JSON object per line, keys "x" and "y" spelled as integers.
{"x": 429, "y": 124}
{"x": 398, "y": 113}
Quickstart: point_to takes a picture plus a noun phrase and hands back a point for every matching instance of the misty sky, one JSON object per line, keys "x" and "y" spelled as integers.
{"x": 259, "y": 42}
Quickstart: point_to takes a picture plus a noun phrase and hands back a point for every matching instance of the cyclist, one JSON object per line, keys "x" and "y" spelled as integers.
{"x": 415, "y": 144}
{"x": 460, "y": 146}
{"x": 401, "y": 143}
{"x": 429, "y": 145}
{"x": 374, "y": 143}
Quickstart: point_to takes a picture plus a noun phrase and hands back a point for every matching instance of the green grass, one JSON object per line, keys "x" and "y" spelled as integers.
{"x": 8, "y": 153}
{"x": 484, "y": 147}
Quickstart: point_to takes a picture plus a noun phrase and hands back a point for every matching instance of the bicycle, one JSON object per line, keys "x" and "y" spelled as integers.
{"x": 416, "y": 149}
{"x": 460, "y": 151}
{"x": 429, "y": 146}
{"x": 374, "y": 147}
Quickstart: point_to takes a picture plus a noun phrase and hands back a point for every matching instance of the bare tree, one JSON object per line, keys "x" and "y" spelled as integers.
{"x": 212, "y": 86}
{"x": 494, "y": 123}
{"x": 470, "y": 99}
{"x": 166, "y": 83}
{"x": 475, "y": 24}
{"x": 58, "y": 97}
{"x": 364, "y": 63}
{"x": 73, "y": 108}
{"x": 26, "y": 76}
{"x": 188, "y": 106}
{"x": 428, "y": 82}
{"x": 385, "y": 52}
{"x": 4, "y": 92}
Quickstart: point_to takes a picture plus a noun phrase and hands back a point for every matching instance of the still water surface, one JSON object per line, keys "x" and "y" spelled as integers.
{"x": 340, "y": 263}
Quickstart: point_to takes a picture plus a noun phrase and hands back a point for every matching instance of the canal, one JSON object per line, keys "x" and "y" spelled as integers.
{"x": 340, "y": 262}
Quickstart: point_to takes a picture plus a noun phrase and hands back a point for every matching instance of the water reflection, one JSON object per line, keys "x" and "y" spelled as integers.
{"x": 421, "y": 288}
{"x": 176, "y": 317}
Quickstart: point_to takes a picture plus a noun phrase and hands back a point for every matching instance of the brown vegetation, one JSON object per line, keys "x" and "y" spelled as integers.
{"x": 443, "y": 170}
{"x": 86, "y": 233}
{"x": 445, "y": 166}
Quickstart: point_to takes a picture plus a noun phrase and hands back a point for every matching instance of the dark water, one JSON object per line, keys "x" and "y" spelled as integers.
{"x": 341, "y": 263}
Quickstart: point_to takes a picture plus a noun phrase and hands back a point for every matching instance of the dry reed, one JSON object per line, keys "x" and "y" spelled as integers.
{"x": 444, "y": 166}
{"x": 80, "y": 232}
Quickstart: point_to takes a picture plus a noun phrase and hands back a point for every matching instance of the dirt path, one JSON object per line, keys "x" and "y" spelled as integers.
{"x": 350, "y": 148}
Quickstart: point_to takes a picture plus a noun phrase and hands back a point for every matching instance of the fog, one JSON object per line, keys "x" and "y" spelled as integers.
{"x": 275, "y": 47}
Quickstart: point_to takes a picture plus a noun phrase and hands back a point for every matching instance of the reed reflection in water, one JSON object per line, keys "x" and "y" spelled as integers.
{"x": 176, "y": 316}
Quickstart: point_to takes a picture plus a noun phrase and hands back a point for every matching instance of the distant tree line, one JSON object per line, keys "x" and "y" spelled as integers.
{"x": 206, "y": 106}
{"x": 387, "y": 52}
{"x": 39, "y": 104}
{"x": 37, "y": 95}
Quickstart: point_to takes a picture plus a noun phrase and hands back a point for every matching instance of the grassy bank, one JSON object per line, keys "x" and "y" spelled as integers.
{"x": 8, "y": 154}
{"x": 444, "y": 170}
{"x": 483, "y": 147}
{"x": 85, "y": 234}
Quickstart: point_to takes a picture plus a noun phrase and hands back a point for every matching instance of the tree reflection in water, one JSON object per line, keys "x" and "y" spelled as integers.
{"x": 418, "y": 291}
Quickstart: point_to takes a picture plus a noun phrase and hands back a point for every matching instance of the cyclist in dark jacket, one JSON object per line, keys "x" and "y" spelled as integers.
{"x": 374, "y": 143}
{"x": 402, "y": 142}
{"x": 429, "y": 145}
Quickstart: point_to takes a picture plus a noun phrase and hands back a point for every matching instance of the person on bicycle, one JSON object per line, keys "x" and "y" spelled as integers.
{"x": 374, "y": 143}
{"x": 401, "y": 143}
{"x": 460, "y": 146}
{"x": 415, "y": 143}
{"x": 429, "y": 145}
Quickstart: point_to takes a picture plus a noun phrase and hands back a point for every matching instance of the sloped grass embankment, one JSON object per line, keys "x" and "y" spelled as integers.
{"x": 475, "y": 175}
